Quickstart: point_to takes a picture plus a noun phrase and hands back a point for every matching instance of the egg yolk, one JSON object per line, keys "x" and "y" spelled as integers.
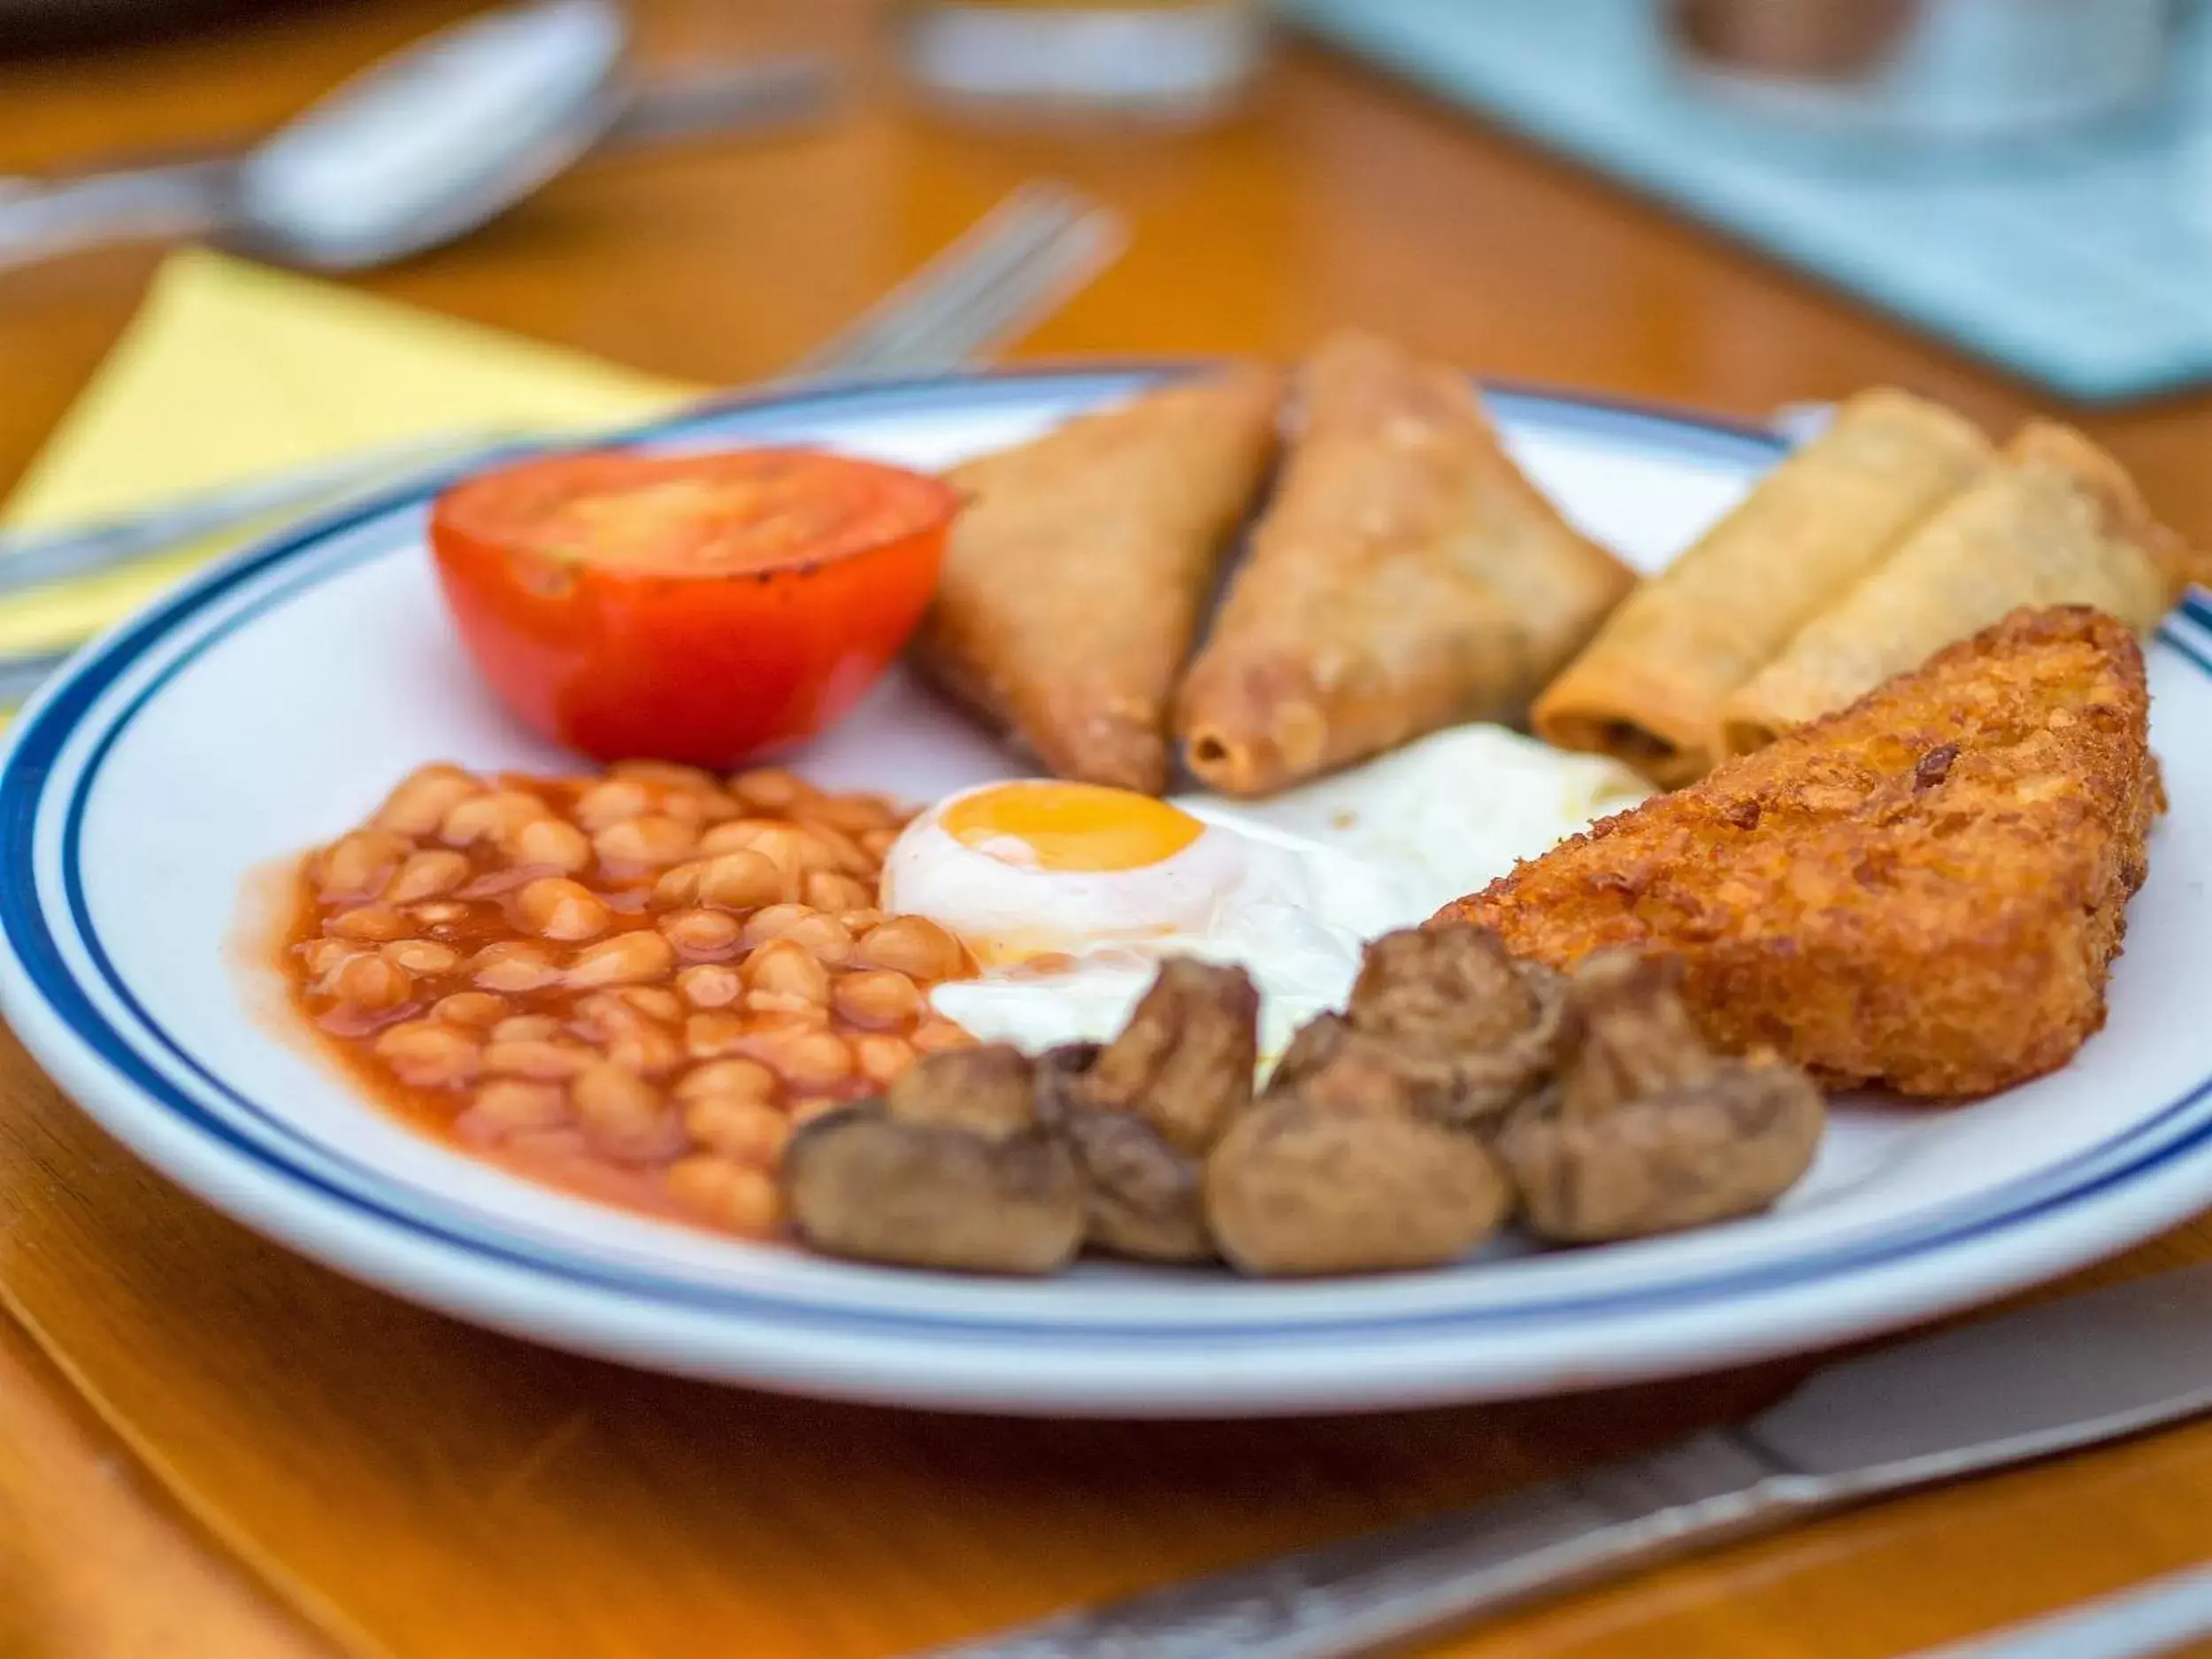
{"x": 1072, "y": 825}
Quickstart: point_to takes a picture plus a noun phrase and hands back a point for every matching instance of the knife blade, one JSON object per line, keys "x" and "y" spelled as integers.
{"x": 2157, "y": 1617}
{"x": 2025, "y": 1384}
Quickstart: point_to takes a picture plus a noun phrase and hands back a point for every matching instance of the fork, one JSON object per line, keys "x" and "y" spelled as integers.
{"x": 1018, "y": 263}
{"x": 1014, "y": 266}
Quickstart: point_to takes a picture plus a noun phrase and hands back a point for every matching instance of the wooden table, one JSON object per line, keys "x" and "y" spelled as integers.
{"x": 1339, "y": 199}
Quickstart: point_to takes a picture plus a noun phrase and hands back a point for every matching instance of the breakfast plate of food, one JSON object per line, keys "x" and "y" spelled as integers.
{"x": 1161, "y": 889}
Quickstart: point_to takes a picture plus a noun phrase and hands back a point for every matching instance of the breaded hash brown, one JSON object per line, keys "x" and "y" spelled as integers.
{"x": 1924, "y": 890}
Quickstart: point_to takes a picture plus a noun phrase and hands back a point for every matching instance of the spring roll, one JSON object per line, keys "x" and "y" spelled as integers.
{"x": 1076, "y": 577}
{"x": 1649, "y": 689}
{"x": 1406, "y": 578}
{"x": 2058, "y": 522}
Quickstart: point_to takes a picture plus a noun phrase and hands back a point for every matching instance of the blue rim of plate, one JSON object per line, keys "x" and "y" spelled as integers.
{"x": 49, "y": 723}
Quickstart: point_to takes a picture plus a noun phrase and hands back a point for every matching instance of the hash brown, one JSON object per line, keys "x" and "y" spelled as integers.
{"x": 1924, "y": 890}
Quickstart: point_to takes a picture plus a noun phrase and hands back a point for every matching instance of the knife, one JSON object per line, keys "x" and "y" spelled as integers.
{"x": 2158, "y": 1617}
{"x": 2050, "y": 1379}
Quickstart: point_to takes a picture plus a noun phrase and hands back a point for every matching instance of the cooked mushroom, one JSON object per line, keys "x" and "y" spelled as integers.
{"x": 1628, "y": 1033}
{"x": 951, "y": 1169}
{"x": 1141, "y": 1193}
{"x": 1454, "y": 986}
{"x": 1646, "y": 1130}
{"x": 1471, "y": 1030}
{"x": 1312, "y": 1045}
{"x": 1341, "y": 1171}
{"x": 1185, "y": 1059}
{"x": 1141, "y": 1112}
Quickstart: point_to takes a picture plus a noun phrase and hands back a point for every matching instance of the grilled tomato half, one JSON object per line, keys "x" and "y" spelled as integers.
{"x": 700, "y": 608}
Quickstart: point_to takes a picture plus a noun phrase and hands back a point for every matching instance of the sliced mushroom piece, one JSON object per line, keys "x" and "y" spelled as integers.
{"x": 1185, "y": 1060}
{"x": 1472, "y": 1031}
{"x": 1143, "y": 1195}
{"x": 1627, "y": 1033}
{"x": 951, "y": 1169}
{"x": 1342, "y": 1173}
{"x": 1647, "y": 1131}
{"x": 1727, "y": 1146}
{"x": 1312, "y": 1046}
{"x": 1141, "y": 1112}
{"x": 1454, "y": 987}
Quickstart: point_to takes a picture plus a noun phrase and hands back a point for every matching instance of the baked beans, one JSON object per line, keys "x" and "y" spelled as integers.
{"x": 633, "y": 986}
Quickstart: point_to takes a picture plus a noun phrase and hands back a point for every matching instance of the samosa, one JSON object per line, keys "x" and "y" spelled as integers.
{"x": 1407, "y": 577}
{"x": 1075, "y": 579}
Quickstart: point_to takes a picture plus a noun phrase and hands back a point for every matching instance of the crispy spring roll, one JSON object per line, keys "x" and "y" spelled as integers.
{"x": 2059, "y": 522}
{"x": 1650, "y": 687}
{"x": 1075, "y": 577}
{"x": 1407, "y": 577}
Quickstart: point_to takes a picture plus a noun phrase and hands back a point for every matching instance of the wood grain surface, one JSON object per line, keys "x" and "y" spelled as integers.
{"x": 96, "y": 1561}
{"x": 399, "y": 1484}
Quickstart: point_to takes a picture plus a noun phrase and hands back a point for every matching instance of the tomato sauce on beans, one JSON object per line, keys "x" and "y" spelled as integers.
{"x": 629, "y": 984}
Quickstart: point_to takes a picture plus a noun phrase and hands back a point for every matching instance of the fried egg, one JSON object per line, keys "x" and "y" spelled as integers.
{"x": 1069, "y": 894}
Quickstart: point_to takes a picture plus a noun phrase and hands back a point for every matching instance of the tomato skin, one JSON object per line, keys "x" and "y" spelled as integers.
{"x": 712, "y": 668}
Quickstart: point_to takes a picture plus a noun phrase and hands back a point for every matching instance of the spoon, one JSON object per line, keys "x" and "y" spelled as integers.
{"x": 420, "y": 147}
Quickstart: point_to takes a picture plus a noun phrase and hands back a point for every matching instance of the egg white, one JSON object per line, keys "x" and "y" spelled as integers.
{"x": 1446, "y": 814}
{"x": 1009, "y": 908}
{"x": 1290, "y": 889}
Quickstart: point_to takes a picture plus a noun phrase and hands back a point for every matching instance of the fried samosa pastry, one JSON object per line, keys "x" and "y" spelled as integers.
{"x": 1649, "y": 689}
{"x": 2058, "y": 523}
{"x": 1074, "y": 580}
{"x": 1406, "y": 578}
{"x": 1925, "y": 890}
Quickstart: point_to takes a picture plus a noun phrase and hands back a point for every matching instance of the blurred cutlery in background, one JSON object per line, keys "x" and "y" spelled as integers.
{"x": 420, "y": 149}
{"x": 413, "y": 151}
{"x": 705, "y": 100}
{"x": 1018, "y": 263}
{"x": 663, "y": 105}
{"x": 1014, "y": 266}
{"x": 35, "y": 558}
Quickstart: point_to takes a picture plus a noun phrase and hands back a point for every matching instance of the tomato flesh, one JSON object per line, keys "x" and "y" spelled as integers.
{"x": 706, "y": 608}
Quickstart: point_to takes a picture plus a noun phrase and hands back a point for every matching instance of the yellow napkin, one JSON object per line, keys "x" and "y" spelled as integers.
{"x": 231, "y": 370}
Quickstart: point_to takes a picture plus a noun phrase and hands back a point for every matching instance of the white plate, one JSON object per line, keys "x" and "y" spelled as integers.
{"x": 269, "y": 703}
